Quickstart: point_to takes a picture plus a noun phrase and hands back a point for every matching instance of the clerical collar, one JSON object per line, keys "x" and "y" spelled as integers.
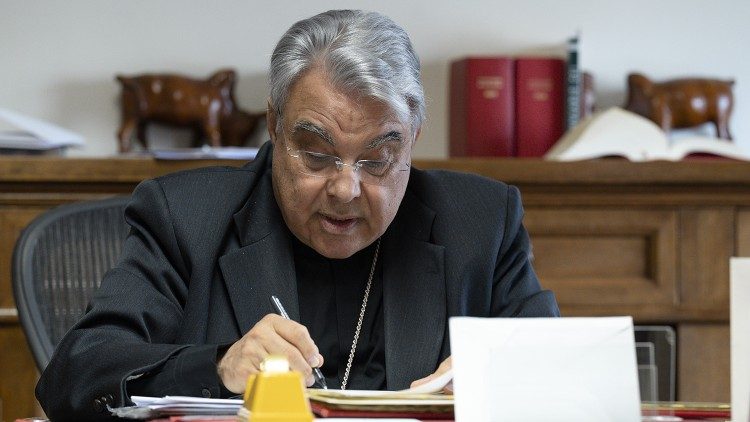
{"x": 305, "y": 251}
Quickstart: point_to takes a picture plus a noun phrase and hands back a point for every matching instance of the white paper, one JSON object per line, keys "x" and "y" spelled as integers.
{"x": 434, "y": 386}
{"x": 739, "y": 321}
{"x": 544, "y": 369}
{"x": 146, "y": 401}
{"x": 149, "y": 407}
{"x": 19, "y": 131}
{"x": 205, "y": 153}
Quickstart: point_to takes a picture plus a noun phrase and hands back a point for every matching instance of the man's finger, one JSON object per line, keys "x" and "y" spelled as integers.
{"x": 297, "y": 335}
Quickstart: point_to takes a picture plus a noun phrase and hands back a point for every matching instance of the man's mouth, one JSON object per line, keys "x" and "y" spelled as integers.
{"x": 338, "y": 224}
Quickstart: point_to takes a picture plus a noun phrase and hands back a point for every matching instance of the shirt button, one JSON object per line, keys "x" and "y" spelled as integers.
{"x": 206, "y": 393}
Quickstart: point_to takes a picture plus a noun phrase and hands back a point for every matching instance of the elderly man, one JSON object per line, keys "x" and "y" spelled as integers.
{"x": 369, "y": 256}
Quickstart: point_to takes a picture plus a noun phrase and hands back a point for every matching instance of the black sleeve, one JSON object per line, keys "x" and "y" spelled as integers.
{"x": 192, "y": 372}
{"x": 516, "y": 288}
{"x": 127, "y": 336}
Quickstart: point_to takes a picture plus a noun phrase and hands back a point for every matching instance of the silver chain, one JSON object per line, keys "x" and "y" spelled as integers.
{"x": 361, "y": 317}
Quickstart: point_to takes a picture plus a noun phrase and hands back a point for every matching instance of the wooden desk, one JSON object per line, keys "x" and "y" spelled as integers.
{"x": 610, "y": 237}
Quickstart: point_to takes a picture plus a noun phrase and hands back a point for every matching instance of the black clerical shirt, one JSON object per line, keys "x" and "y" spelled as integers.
{"x": 330, "y": 299}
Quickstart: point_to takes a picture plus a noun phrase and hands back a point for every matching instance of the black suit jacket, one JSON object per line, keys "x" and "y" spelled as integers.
{"x": 208, "y": 247}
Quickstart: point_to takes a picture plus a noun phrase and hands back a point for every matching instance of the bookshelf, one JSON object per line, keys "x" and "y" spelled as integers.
{"x": 610, "y": 237}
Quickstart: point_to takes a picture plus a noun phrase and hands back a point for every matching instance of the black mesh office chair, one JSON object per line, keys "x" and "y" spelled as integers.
{"x": 58, "y": 262}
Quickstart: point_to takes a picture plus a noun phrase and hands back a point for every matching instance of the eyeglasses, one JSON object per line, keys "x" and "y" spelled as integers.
{"x": 371, "y": 172}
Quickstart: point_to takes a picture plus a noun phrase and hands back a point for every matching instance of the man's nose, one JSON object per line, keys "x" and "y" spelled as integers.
{"x": 344, "y": 185}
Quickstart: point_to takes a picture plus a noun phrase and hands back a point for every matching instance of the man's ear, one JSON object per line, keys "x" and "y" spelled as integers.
{"x": 271, "y": 121}
{"x": 416, "y": 135}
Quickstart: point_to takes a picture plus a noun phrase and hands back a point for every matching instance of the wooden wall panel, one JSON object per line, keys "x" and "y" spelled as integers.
{"x": 18, "y": 374}
{"x": 604, "y": 256}
{"x": 12, "y": 220}
{"x": 576, "y": 256}
{"x": 18, "y": 371}
{"x": 703, "y": 362}
{"x": 742, "y": 235}
{"x": 707, "y": 242}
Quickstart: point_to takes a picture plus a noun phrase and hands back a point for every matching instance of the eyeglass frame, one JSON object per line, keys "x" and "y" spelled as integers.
{"x": 338, "y": 161}
{"x": 340, "y": 164}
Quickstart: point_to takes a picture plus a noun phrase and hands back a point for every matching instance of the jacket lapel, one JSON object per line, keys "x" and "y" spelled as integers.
{"x": 264, "y": 264}
{"x": 414, "y": 299}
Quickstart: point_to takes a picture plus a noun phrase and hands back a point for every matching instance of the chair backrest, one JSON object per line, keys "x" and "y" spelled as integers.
{"x": 58, "y": 262}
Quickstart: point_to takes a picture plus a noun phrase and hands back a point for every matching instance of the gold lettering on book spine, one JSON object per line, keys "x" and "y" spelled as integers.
{"x": 540, "y": 88}
{"x": 490, "y": 86}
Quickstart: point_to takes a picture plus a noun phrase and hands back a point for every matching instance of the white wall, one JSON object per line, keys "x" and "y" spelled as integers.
{"x": 58, "y": 58}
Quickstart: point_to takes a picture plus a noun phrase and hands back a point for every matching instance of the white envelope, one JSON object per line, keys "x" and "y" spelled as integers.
{"x": 544, "y": 369}
{"x": 739, "y": 321}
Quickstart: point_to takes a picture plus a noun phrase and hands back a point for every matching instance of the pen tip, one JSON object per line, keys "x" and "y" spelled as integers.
{"x": 320, "y": 378}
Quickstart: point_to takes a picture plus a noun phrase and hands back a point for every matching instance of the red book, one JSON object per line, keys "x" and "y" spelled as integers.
{"x": 481, "y": 107}
{"x": 540, "y": 104}
{"x": 323, "y": 410}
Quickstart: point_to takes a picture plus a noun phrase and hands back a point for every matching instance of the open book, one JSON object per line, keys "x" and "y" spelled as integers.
{"x": 617, "y": 132}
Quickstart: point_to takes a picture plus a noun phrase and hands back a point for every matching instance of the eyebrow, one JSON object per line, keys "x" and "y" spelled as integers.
{"x": 311, "y": 127}
{"x": 392, "y": 136}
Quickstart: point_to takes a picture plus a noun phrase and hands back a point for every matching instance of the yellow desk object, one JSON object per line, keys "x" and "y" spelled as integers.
{"x": 276, "y": 394}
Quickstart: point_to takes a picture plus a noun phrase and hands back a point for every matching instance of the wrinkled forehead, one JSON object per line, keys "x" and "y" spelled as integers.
{"x": 388, "y": 134}
{"x": 315, "y": 94}
{"x": 316, "y": 106}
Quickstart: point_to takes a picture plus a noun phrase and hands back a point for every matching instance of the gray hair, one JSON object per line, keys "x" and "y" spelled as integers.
{"x": 362, "y": 52}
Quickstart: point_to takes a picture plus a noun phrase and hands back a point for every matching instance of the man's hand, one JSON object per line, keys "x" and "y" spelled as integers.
{"x": 443, "y": 368}
{"x": 271, "y": 335}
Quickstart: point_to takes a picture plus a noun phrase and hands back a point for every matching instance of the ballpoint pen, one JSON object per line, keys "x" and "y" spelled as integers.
{"x": 316, "y": 371}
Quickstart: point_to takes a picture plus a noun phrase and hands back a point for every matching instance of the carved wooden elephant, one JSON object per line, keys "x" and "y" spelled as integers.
{"x": 207, "y": 106}
{"x": 681, "y": 103}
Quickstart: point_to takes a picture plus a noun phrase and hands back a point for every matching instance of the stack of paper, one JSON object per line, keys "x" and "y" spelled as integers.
{"x": 206, "y": 153}
{"x": 153, "y": 407}
{"x": 424, "y": 401}
{"x": 358, "y": 403}
{"x": 656, "y": 411}
{"x": 19, "y": 132}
